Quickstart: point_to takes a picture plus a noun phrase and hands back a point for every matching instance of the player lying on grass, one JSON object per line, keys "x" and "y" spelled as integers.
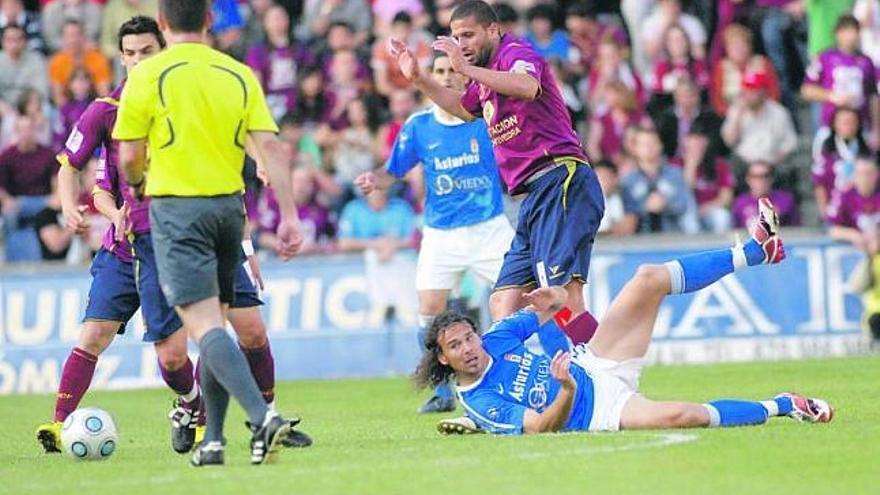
{"x": 506, "y": 389}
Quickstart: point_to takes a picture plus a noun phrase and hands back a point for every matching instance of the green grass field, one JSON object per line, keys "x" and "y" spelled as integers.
{"x": 369, "y": 440}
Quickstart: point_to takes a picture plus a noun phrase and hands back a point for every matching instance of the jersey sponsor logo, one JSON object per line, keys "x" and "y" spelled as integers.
{"x": 453, "y": 162}
{"x": 518, "y": 388}
{"x": 523, "y": 67}
{"x": 75, "y": 140}
{"x": 445, "y": 184}
{"x": 505, "y": 130}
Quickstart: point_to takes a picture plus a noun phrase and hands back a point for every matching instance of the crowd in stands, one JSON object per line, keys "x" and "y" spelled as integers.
{"x": 688, "y": 109}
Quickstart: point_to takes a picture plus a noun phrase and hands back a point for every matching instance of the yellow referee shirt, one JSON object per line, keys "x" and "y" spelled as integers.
{"x": 195, "y": 106}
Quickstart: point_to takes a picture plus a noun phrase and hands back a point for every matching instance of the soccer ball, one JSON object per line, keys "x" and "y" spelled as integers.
{"x": 89, "y": 434}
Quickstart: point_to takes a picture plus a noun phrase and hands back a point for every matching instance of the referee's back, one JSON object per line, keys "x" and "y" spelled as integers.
{"x": 195, "y": 106}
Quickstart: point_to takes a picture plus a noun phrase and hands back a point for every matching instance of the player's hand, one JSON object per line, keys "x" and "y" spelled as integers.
{"x": 9, "y": 206}
{"x": 256, "y": 274}
{"x": 560, "y": 368}
{"x": 288, "y": 238}
{"x": 367, "y": 182}
{"x": 409, "y": 66}
{"x": 452, "y": 49}
{"x": 122, "y": 222}
{"x": 546, "y": 298}
{"x": 75, "y": 219}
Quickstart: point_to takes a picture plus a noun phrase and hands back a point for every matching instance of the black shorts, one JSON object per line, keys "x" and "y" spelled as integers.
{"x": 197, "y": 242}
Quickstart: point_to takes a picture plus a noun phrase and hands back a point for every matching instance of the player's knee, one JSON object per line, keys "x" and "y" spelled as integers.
{"x": 252, "y": 334}
{"x": 652, "y": 276}
{"x": 96, "y": 337}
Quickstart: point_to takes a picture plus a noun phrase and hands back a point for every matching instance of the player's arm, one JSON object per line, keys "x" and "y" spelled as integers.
{"x": 515, "y": 83}
{"x": 445, "y": 98}
{"x": 133, "y": 157}
{"x": 557, "y": 413}
{"x": 68, "y": 193}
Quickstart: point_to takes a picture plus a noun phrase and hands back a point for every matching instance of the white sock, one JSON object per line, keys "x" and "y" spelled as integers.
{"x": 191, "y": 395}
{"x": 771, "y": 406}
{"x": 714, "y": 415}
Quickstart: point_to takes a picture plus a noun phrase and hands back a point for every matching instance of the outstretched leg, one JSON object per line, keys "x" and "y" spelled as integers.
{"x": 625, "y": 331}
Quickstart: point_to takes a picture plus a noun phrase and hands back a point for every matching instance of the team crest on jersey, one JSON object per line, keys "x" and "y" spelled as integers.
{"x": 475, "y": 146}
{"x": 513, "y": 358}
{"x": 75, "y": 140}
{"x": 488, "y": 112}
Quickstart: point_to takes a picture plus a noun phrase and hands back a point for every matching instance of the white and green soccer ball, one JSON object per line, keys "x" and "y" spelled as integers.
{"x": 89, "y": 434}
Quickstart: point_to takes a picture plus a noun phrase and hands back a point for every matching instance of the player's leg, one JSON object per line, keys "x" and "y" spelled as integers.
{"x": 642, "y": 413}
{"x": 625, "y": 330}
{"x": 197, "y": 244}
{"x": 165, "y": 331}
{"x": 564, "y": 209}
{"x": 112, "y": 302}
{"x": 440, "y": 267}
{"x": 247, "y": 321}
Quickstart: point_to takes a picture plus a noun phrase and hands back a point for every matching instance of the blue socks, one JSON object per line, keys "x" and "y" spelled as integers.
{"x": 694, "y": 272}
{"x": 728, "y": 412}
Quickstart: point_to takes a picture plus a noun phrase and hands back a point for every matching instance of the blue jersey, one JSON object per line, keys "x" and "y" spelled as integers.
{"x": 461, "y": 176}
{"x": 517, "y": 379}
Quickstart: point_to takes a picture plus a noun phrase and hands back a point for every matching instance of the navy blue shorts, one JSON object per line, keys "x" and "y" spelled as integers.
{"x": 160, "y": 318}
{"x": 113, "y": 295}
{"x": 558, "y": 221}
{"x": 245, "y": 292}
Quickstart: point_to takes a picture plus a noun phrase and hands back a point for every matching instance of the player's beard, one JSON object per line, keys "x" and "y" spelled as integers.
{"x": 483, "y": 56}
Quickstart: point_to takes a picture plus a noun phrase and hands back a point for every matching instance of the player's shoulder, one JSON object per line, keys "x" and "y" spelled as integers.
{"x": 420, "y": 117}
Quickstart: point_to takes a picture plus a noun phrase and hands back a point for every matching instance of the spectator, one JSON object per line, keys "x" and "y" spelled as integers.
{"x": 318, "y": 15}
{"x": 605, "y": 140}
{"x": 386, "y": 11}
{"x": 854, "y": 215}
{"x": 253, "y": 32}
{"x": 573, "y": 101}
{"x": 687, "y": 109}
{"x": 675, "y": 63}
{"x": 616, "y": 221}
{"x": 58, "y": 13}
{"x": 12, "y": 12}
{"x": 821, "y": 17}
{"x": 55, "y": 240}
{"x": 305, "y": 152}
{"x": 228, "y": 27}
{"x": 759, "y": 178}
{"x": 386, "y": 70}
{"x": 656, "y": 192}
{"x": 611, "y": 65}
{"x": 758, "y": 128}
{"x": 867, "y": 12}
{"x": 317, "y": 229}
{"x": 668, "y": 13}
{"x": 401, "y": 104}
{"x": 30, "y": 104}
{"x": 352, "y": 147}
{"x": 834, "y": 155}
{"x": 716, "y": 17}
{"x": 20, "y": 67}
{"x": 376, "y": 223}
{"x": 313, "y": 103}
{"x": 277, "y": 62}
{"x": 782, "y": 24}
{"x": 343, "y": 85}
{"x": 117, "y": 12}
{"x": 634, "y": 13}
{"x": 542, "y": 33}
{"x": 75, "y": 53}
{"x": 710, "y": 177}
{"x": 79, "y": 94}
{"x": 740, "y": 58}
{"x": 843, "y": 76}
{"x": 26, "y": 173}
{"x": 508, "y": 17}
{"x": 585, "y": 32}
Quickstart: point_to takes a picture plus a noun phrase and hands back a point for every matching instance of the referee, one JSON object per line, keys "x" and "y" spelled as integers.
{"x": 195, "y": 108}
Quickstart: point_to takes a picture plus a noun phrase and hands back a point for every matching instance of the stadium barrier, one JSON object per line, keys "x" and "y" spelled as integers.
{"x": 327, "y": 317}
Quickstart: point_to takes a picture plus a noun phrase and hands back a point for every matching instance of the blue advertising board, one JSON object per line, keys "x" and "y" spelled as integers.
{"x": 324, "y": 323}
